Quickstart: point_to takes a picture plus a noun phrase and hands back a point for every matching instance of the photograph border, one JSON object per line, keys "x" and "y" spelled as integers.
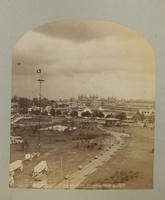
{"x": 20, "y": 16}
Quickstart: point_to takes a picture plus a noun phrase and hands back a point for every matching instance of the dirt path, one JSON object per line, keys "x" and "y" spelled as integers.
{"x": 79, "y": 176}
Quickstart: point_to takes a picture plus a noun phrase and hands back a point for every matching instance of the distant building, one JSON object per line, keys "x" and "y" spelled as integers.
{"x": 33, "y": 108}
{"x": 93, "y": 98}
{"x": 147, "y": 112}
{"x": 82, "y": 98}
{"x": 48, "y": 108}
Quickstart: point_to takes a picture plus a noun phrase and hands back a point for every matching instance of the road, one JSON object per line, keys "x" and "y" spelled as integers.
{"x": 16, "y": 119}
{"x": 79, "y": 176}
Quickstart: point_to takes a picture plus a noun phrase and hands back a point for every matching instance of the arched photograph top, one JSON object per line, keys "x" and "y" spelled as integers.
{"x": 82, "y": 107}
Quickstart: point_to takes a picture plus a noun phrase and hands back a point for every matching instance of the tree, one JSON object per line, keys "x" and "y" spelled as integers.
{"x": 52, "y": 112}
{"x": 74, "y": 113}
{"x": 36, "y": 101}
{"x": 139, "y": 116}
{"x": 24, "y": 104}
{"x": 58, "y": 112}
{"x": 100, "y": 114}
{"x": 121, "y": 116}
{"x": 136, "y": 117}
{"x": 109, "y": 116}
{"x": 44, "y": 102}
{"x": 142, "y": 117}
{"x": 86, "y": 114}
{"x": 36, "y": 112}
{"x": 24, "y": 111}
{"x": 151, "y": 119}
{"x": 45, "y": 112}
{"x": 97, "y": 113}
{"x": 15, "y": 99}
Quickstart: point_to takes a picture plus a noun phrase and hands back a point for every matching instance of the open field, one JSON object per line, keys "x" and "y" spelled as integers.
{"x": 109, "y": 150}
{"x": 61, "y": 152}
{"x": 131, "y": 167}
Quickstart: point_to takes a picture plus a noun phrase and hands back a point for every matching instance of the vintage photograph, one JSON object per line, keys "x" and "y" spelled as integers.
{"x": 82, "y": 107}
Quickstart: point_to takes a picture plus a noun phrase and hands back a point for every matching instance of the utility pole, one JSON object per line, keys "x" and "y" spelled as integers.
{"x": 69, "y": 183}
{"x": 40, "y": 80}
{"x": 61, "y": 165}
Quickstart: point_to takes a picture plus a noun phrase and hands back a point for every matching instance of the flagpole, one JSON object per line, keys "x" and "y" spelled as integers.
{"x": 40, "y": 80}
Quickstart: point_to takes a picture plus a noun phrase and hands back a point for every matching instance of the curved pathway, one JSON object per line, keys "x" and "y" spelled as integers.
{"x": 79, "y": 176}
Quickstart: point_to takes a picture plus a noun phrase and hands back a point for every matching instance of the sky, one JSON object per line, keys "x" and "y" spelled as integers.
{"x": 84, "y": 57}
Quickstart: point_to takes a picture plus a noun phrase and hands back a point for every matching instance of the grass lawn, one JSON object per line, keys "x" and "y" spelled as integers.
{"x": 131, "y": 167}
{"x": 58, "y": 149}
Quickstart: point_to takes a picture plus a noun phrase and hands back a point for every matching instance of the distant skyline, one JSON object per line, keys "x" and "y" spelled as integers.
{"x": 99, "y": 98}
{"x": 84, "y": 57}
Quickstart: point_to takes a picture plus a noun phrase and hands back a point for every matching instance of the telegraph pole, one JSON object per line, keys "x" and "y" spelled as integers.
{"x": 40, "y": 80}
{"x": 61, "y": 165}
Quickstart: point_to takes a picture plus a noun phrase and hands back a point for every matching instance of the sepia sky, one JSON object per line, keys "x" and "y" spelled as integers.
{"x": 84, "y": 57}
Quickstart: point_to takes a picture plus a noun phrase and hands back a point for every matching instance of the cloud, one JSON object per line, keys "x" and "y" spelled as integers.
{"x": 84, "y": 30}
{"x": 72, "y": 52}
